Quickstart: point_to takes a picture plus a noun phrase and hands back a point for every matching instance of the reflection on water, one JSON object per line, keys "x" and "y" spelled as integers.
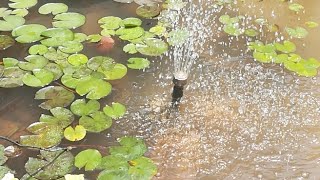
{"x": 239, "y": 119}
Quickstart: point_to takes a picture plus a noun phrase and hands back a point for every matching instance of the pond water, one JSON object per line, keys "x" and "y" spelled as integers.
{"x": 239, "y": 119}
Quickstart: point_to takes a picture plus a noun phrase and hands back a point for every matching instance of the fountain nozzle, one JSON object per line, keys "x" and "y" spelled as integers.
{"x": 177, "y": 92}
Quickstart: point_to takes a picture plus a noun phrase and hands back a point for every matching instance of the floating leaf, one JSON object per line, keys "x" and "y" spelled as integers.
{"x": 286, "y": 47}
{"x": 9, "y": 62}
{"x": 114, "y": 175}
{"x": 131, "y": 22}
{"x": 178, "y": 37}
{"x": 130, "y": 33}
{"x": 61, "y": 165}
{"x": 33, "y": 62}
{"x": 54, "y": 8}
{"x": 76, "y": 134}
{"x": 56, "y": 97}
{"x": 20, "y": 12}
{"x": 312, "y": 24}
{"x": 94, "y": 88}
{"x": 138, "y": 63}
{"x": 77, "y": 59}
{"x": 110, "y": 22}
{"x": 298, "y": 32}
{"x": 12, "y": 77}
{"x": 61, "y": 118}
{"x": 5, "y": 42}
{"x": 81, "y": 108}
{"x": 3, "y": 158}
{"x": 69, "y": 81}
{"x": 158, "y": 30}
{"x": 5, "y": 12}
{"x": 96, "y": 122}
{"x": 152, "y": 47}
{"x": 115, "y": 111}
{"x": 40, "y": 78}
{"x": 56, "y": 36}
{"x": 74, "y": 177}
{"x": 296, "y": 7}
{"x": 38, "y": 49}
{"x": 28, "y": 33}
{"x": 142, "y": 168}
{"x": 54, "y": 55}
{"x": 131, "y": 148}
{"x": 261, "y": 21}
{"x": 19, "y": 4}
{"x": 130, "y": 48}
{"x": 113, "y": 71}
{"x": 264, "y": 57}
{"x": 281, "y": 58}
{"x": 94, "y": 37}
{"x": 10, "y": 22}
{"x": 112, "y": 162}
{"x": 55, "y": 69}
{"x": 232, "y": 29}
{"x": 89, "y": 159}
{"x": 251, "y": 32}
{"x": 80, "y": 37}
{"x": 226, "y": 19}
{"x": 176, "y": 5}
{"x": 71, "y": 47}
{"x": 148, "y": 11}
{"x": 107, "y": 33}
{"x": 69, "y": 20}
{"x": 99, "y": 61}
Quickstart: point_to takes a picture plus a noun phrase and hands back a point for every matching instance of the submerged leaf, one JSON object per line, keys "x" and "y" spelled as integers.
{"x": 296, "y": 7}
{"x": 6, "y": 42}
{"x": 148, "y": 11}
{"x": 298, "y": 32}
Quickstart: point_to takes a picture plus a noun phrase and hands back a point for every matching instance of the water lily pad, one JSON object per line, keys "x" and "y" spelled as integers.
{"x": 33, "y": 62}
{"x": 226, "y": 19}
{"x": 56, "y": 96}
{"x": 54, "y": 55}
{"x": 3, "y": 158}
{"x": 10, "y": 22}
{"x": 76, "y": 134}
{"x": 40, "y": 78}
{"x": 131, "y": 148}
{"x": 19, "y": 4}
{"x": 69, "y": 20}
{"x": 96, "y": 122}
{"x": 56, "y": 36}
{"x": 99, "y": 61}
{"x": 286, "y": 47}
{"x": 5, "y": 12}
{"x": 110, "y": 22}
{"x": 54, "y": 8}
{"x": 77, "y": 59}
{"x": 130, "y": 33}
{"x": 108, "y": 32}
{"x": 298, "y": 32}
{"x": 113, "y": 174}
{"x": 251, "y": 32}
{"x": 264, "y": 57}
{"x": 28, "y": 33}
{"x": 148, "y": 11}
{"x": 10, "y": 62}
{"x": 38, "y": 49}
{"x": 178, "y": 37}
{"x": 130, "y": 48}
{"x": 114, "y": 71}
{"x": 233, "y": 29}
{"x": 94, "y": 88}
{"x": 94, "y": 37}
{"x": 312, "y": 24}
{"x": 89, "y": 159}
{"x": 138, "y": 63}
{"x": 152, "y": 47}
{"x": 176, "y": 5}
{"x": 61, "y": 118}
{"x": 158, "y": 30}
{"x": 20, "y": 12}
{"x": 81, "y": 108}
{"x": 80, "y": 37}
{"x": 142, "y": 168}
{"x": 55, "y": 69}
{"x": 6, "y": 42}
{"x": 61, "y": 165}
{"x": 281, "y": 58}
{"x": 112, "y": 162}
{"x": 12, "y": 77}
{"x": 131, "y": 22}
{"x": 71, "y": 47}
{"x": 74, "y": 177}
{"x": 296, "y": 7}
{"x": 115, "y": 111}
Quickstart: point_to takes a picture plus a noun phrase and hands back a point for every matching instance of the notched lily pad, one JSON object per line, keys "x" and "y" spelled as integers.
{"x": 116, "y": 110}
{"x": 28, "y": 33}
{"x": 56, "y": 36}
{"x": 93, "y": 87}
{"x": 54, "y": 8}
{"x": 82, "y": 108}
{"x": 96, "y": 122}
{"x": 76, "y": 134}
{"x": 38, "y": 49}
{"x": 152, "y": 47}
{"x": 20, "y": 4}
{"x": 148, "y": 11}
{"x": 69, "y": 20}
{"x": 40, "y": 78}
{"x": 138, "y": 63}
{"x": 10, "y": 22}
{"x": 89, "y": 159}
{"x": 110, "y": 22}
{"x": 33, "y": 62}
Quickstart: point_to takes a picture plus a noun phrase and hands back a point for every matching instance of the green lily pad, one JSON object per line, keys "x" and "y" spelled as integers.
{"x": 81, "y": 108}
{"x": 264, "y": 57}
{"x": 40, "y": 78}
{"x": 33, "y": 62}
{"x": 54, "y": 55}
{"x": 131, "y": 148}
{"x": 3, "y": 158}
{"x": 5, "y": 12}
{"x": 251, "y": 32}
{"x": 286, "y": 47}
{"x": 96, "y": 122}
{"x": 76, "y": 134}
{"x": 158, "y": 30}
{"x": 61, "y": 166}
{"x": 112, "y": 162}
{"x": 6, "y": 42}
{"x": 4, "y": 170}
{"x": 110, "y": 22}
{"x": 89, "y": 159}
{"x": 20, "y": 12}
{"x": 56, "y": 36}
{"x": 175, "y": 5}
{"x": 152, "y": 47}
{"x": 99, "y": 61}
{"x": 94, "y": 88}
{"x": 130, "y": 33}
{"x": 312, "y": 24}
{"x": 113, "y": 71}
{"x": 38, "y": 49}
{"x": 10, "y": 22}
{"x": 108, "y": 32}
{"x": 131, "y": 22}
{"x": 148, "y": 11}
{"x": 232, "y": 29}
{"x": 142, "y": 168}
{"x": 10, "y": 62}
{"x": 55, "y": 69}
{"x": 226, "y": 19}
{"x": 80, "y": 37}
{"x": 94, "y": 37}
{"x": 298, "y": 32}
{"x": 138, "y": 63}
{"x": 19, "y": 4}
{"x": 71, "y": 47}
{"x": 178, "y": 37}
{"x": 114, "y": 174}
{"x": 296, "y": 7}
{"x": 28, "y": 33}
{"x": 69, "y": 81}
{"x": 281, "y": 58}
{"x": 12, "y": 77}
{"x": 77, "y": 59}
{"x": 54, "y": 8}
{"x": 115, "y": 111}
{"x": 56, "y": 96}
{"x": 69, "y": 20}
{"x": 61, "y": 118}
{"x": 130, "y": 48}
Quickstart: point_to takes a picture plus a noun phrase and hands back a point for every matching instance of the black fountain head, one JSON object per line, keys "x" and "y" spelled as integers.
{"x": 177, "y": 92}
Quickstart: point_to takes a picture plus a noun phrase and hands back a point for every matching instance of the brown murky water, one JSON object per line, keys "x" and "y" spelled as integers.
{"x": 239, "y": 119}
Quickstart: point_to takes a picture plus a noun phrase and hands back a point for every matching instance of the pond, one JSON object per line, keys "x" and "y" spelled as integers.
{"x": 251, "y": 105}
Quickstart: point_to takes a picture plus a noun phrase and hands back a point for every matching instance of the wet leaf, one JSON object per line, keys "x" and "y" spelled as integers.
{"x": 77, "y": 59}
{"x": 115, "y": 111}
{"x": 298, "y": 32}
{"x": 69, "y": 20}
{"x": 107, "y": 33}
{"x": 12, "y": 77}
{"x": 89, "y": 159}
{"x": 281, "y": 58}
{"x": 71, "y": 47}
{"x": 56, "y": 96}
{"x": 142, "y": 168}
{"x": 138, "y": 63}
{"x": 148, "y": 11}
{"x": 130, "y": 33}
{"x": 286, "y": 47}
{"x": 94, "y": 88}
{"x": 61, "y": 118}
{"x": 312, "y": 24}
{"x": 226, "y": 19}
{"x": 33, "y": 62}
{"x": 264, "y": 57}
{"x": 81, "y": 108}
{"x": 152, "y": 47}
{"x": 131, "y": 22}
{"x": 96, "y": 122}
{"x": 174, "y": 4}
{"x": 54, "y": 55}
{"x": 55, "y": 69}
{"x": 19, "y": 4}
{"x": 56, "y": 36}
{"x": 296, "y": 7}
{"x": 110, "y": 22}
{"x": 38, "y": 49}
{"x": 99, "y": 61}
{"x": 232, "y": 29}
{"x": 112, "y": 162}
{"x": 5, "y": 12}
{"x": 113, "y": 175}
{"x": 54, "y": 8}
{"x": 10, "y": 22}
{"x": 74, "y": 177}
{"x": 60, "y": 167}
{"x": 80, "y": 37}
{"x": 76, "y": 134}
{"x": 113, "y": 71}
{"x": 251, "y": 32}
{"x": 6, "y": 42}
{"x": 69, "y": 81}
{"x": 20, "y": 12}
{"x": 94, "y": 37}
{"x": 130, "y": 48}
{"x": 178, "y": 37}
{"x": 28, "y": 33}
{"x": 158, "y": 30}
{"x": 40, "y": 78}
{"x": 10, "y": 62}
